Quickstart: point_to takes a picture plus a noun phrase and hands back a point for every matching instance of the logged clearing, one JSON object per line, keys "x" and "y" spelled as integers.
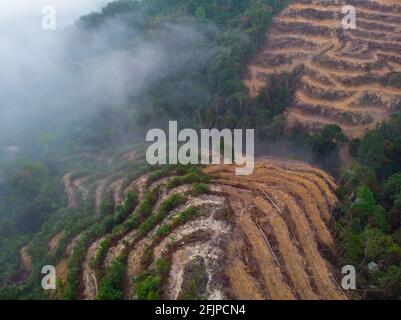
{"x": 264, "y": 236}
{"x": 280, "y": 211}
{"x": 346, "y": 77}
{"x": 267, "y": 236}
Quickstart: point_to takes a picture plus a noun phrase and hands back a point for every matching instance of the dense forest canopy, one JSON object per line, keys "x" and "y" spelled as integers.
{"x": 369, "y": 223}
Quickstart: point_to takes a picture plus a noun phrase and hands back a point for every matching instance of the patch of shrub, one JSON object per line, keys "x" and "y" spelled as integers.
{"x": 199, "y": 188}
{"x": 147, "y": 286}
{"x": 112, "y": 285}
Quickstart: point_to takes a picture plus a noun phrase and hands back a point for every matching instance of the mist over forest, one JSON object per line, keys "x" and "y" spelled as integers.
{"x": 55, "y": 83}
{"x": 76, "y": 103}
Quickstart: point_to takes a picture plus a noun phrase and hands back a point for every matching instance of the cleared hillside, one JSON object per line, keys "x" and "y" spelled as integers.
{"x": 351, "y": 78}
{"x": 208, "y": 234}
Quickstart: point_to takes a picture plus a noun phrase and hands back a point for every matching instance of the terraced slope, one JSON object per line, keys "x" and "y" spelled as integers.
{"x": 279, "y": 217}
{"x": 212, "y": 235}
{"x": 351, "y": 78}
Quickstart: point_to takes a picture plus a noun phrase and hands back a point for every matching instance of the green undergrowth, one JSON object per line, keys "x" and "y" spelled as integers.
{"x": 111, "y": 285}
{"x": 97, "y": 230}
{"x": 149, "y": 284}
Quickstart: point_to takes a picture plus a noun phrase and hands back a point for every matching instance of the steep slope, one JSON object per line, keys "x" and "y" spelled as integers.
{"x": 215, "y": 235}
{"x": 351, "y": 78}
{"x": 280, "y": 217}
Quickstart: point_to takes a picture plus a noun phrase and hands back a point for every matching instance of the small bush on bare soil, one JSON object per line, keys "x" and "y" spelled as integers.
{"x": 199, "y": 188}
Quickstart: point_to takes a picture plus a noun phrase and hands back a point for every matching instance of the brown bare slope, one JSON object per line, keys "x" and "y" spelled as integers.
{"x": 346, "y": 77}
{"x": 264, "y": 236}
{"x": 279, "y": 221}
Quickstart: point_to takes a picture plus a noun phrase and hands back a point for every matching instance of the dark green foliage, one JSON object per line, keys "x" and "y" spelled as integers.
{"x": 165, "y": 208}
{"x": 112, "y": 284}
{"x": 393, "y": 79}
{"x": 96, "y": 231}
{"x": 323, "y": 143}
{"x": 357, "y": 176}
{"x": 30, "y": 193}
{"x": 369, "y": 222}
{"x": 107, "y": 204}
{"x": 146, "y": 205}
{"x": 165, "y": 171}
{"x": 148, "y": 286}
{"x": 195, "y": 175}
{"x": 32, "y": 190}
{"x": 146, "y": 226}
{"x": 163, "y": 231}
{"x": 199, "y": 188}
{"x": 74, "y": 266}
{"x": 185, "y": 216}
{"x": 163, "y": 266}
{"x": 380, "y": 149}
{"x": 111, "y": 10}
{"x": 111, "y": 222}
{"x": 169, "y": 204}
{"x": 130, "y": 201}
{"x": 170, "y": 170}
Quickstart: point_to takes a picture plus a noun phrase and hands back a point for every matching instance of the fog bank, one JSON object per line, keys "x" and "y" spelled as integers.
{"x": 50, "y": 80}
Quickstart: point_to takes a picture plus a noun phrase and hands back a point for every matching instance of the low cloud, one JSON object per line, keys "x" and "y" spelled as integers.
{"x": 50, "y": 79}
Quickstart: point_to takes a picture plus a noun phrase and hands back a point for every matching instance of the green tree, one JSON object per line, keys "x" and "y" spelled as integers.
{"x": 327, "y": 140}
{"x": 200, "y": 12}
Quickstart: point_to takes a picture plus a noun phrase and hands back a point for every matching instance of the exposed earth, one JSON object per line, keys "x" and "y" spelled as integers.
{"x": 342, "y": 75}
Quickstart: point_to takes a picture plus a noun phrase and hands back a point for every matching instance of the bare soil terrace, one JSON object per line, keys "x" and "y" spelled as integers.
{"x": 339, "y": 68}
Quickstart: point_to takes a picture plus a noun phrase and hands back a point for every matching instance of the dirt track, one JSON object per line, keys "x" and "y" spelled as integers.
{"x": 69, "y": 190}
{"x": 26, "y": 260}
